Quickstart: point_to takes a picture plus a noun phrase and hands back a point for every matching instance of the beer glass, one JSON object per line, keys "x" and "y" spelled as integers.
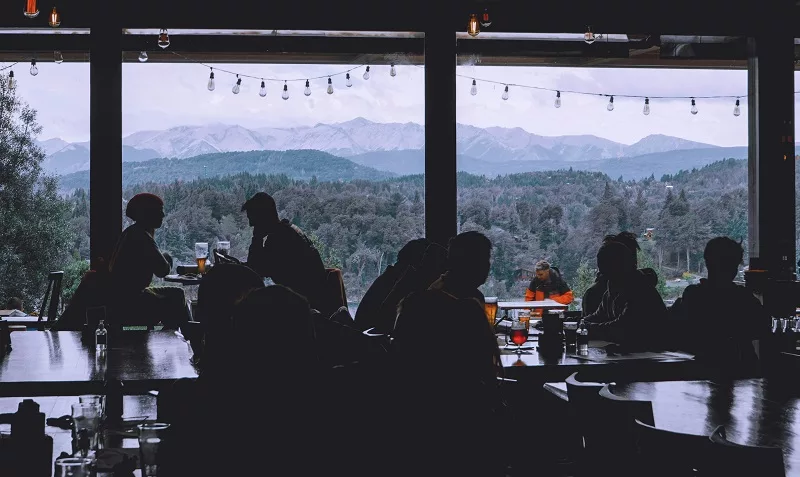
{"x": 74, "y": 467}
{"x": 151, "y": 436}
{"x": 201, "y": 254}
{"x": 490, "y": 307}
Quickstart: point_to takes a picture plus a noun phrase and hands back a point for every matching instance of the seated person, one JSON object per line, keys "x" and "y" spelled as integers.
{"x": 468, "y": 264}
{"x": 136, "y": 258}
{"x": 722, "y": 317}
{"x": 548, "y": 284}
{"x": 439, "y": 401}
{"x": 411, "y": 280}
{"x": 631, "y": 310}
{"x": 281, "y": 251}
{"x": 409, "y": 256}
{"x": 594, "y": 294}
{"x": 14, "y": 305}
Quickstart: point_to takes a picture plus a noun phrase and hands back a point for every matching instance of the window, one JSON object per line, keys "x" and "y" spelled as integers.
{"x": 548, "y": 182}
{"x": 347, "y": 167}
{"x": 44, "y": 204}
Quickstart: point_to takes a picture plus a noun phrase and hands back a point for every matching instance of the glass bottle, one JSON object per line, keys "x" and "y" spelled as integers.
{"x": 101, "y": 336}
{"x": 582, "y": 338}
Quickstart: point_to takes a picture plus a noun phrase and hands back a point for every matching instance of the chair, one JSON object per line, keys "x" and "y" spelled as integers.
{"x": 52, "y": 297}
{"x": 615, "y": 419}
{"x": 728, "y": 458}
{"x": 665, "y": 453}
{"x": 92, "y": 291}
{"x": 334, "y": 293}
{"x": 584, "y": 399}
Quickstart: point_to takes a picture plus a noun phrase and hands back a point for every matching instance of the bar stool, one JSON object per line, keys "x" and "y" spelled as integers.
{"x": 52, "y": 296}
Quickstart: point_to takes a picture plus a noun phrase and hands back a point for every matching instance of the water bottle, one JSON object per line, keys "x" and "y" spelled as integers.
{"x": 582, "y": 338}
{"x": 101, "y": 336}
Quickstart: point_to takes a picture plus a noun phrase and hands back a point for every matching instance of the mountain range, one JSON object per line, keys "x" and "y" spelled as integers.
{"x": 392, "y": 147}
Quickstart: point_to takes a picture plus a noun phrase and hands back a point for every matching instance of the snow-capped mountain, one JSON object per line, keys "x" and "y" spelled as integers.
{"x": 361, "y": 136}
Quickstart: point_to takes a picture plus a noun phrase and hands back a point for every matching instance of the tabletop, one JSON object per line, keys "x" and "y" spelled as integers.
{"x": 58, "y": 363}
{"x": 530, "y": 304}
{"x": 762, "y": 412}
{"x": 184, "y": 279}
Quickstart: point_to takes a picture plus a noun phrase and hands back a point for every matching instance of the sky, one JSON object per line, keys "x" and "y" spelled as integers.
{"x": 160, "y": 96}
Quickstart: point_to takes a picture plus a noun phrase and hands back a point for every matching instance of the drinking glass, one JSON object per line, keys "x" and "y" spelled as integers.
{"x": 519, "y": 334}
{"x": 224, "y": 247}
{"x": 151, "y": 436}
{"x": 74, "y": 467}
{"x": 85, "y": 427}
{"x": 201, "y": 255}
{"x": 92, "y": 399}
{"x": 490, "y": 307}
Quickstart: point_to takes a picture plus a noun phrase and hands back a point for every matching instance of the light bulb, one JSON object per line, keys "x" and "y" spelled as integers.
{"x": 285, "y": 94}
{"x": 366, "y": 73}
{"x": 34, "y": 68}
{"x": 163, "y": 38}
{"x": 211, "y": 84}
{"x": 646, "y": 109}
{"x": 589, "y": 37}
{"x": 557, "y": 103}
{"x": 237, "y": 87}
{"x": 55, "y": 18}
{"x": 307, "y": 91}
{"x": 58, "y": 57}
{"x": 263, "y": 91}
{"x": 392, "y": 71}
{"x": 348, "y": 83}
{"x": 142, "y": 56}
{"x": 694, "y": 107}
{"x": 473, "y": 27}
{"x": 486, "y": 22}
{"x": 474, "y": 90}
{"x": 12, "y": 83}
{"x": 505, "y": 94}
{"x": 330, "y": 86}
{"x": 736, "y": 110}
{"x": 610, "y": 106}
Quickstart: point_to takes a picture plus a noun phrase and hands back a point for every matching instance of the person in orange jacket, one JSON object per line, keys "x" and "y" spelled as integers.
{"x": 548, "y": 284}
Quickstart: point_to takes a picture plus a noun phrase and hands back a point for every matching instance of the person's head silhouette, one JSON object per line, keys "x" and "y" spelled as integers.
{"x": 468, "y": 257}
{"x": 627, "y": 239}
{"x": 412, "y": 252}
{"x": 261, "y": 210}
{"x": 723, "y": 257}
{"x": 615, "y": 261}
{"x": 14, "y": 303}
{"x": 146, "y": 209}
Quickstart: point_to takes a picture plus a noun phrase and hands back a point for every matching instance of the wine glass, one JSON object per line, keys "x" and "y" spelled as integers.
{"x": 519, "y": 334}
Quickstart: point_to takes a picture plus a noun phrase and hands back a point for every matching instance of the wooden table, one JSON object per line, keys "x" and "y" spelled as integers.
{"x": 58, "y": 363}
{"x": 183, "y": 280}
{"x": 134, "y": 408}
{"x": 524, "y": 305}
{"x": 763, "y": 412}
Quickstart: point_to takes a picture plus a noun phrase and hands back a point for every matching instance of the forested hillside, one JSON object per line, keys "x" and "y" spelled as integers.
{"x": 556, "y": 215}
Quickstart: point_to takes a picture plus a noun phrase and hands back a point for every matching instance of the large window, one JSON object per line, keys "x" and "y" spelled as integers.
{"x": 548, "y": 183}
{"x": 44, "y": 139}
{"x": 347, "y": 167}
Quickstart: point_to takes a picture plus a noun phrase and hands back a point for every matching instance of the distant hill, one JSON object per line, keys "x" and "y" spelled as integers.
{"x": 361, "y": 137}
{"x": 636, "y": 167}
{"x": 300, "y": 164}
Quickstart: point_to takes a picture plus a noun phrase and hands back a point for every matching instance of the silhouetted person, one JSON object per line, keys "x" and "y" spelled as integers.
{"x": 434, "y": 264}
{"x": 468, "y": 263}
{"x": 439, "y": 420}
{"x": 14, "y": 303}
{"x": 548, "y": 284}
{"x": 594, "y": 294}
{"x": 221, "y": 289}
{"x": 409, "y": 256}
{"x": 136, "y": 258}
{"x": 631, "y": 310}
{"x": 721, "y": 319}
{"x": 281, "y": 251}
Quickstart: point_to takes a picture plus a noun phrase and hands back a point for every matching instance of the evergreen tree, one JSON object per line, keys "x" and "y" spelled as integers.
{"x": 35, "y": 234}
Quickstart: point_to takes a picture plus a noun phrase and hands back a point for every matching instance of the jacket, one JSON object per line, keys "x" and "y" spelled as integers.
{"x": 593, "y": 294}
{"x": 629, "y": 314}
{"x": 555, "y": 288}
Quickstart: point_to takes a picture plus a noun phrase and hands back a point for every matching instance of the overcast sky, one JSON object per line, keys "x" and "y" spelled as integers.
{"x": 159, "y": 96}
